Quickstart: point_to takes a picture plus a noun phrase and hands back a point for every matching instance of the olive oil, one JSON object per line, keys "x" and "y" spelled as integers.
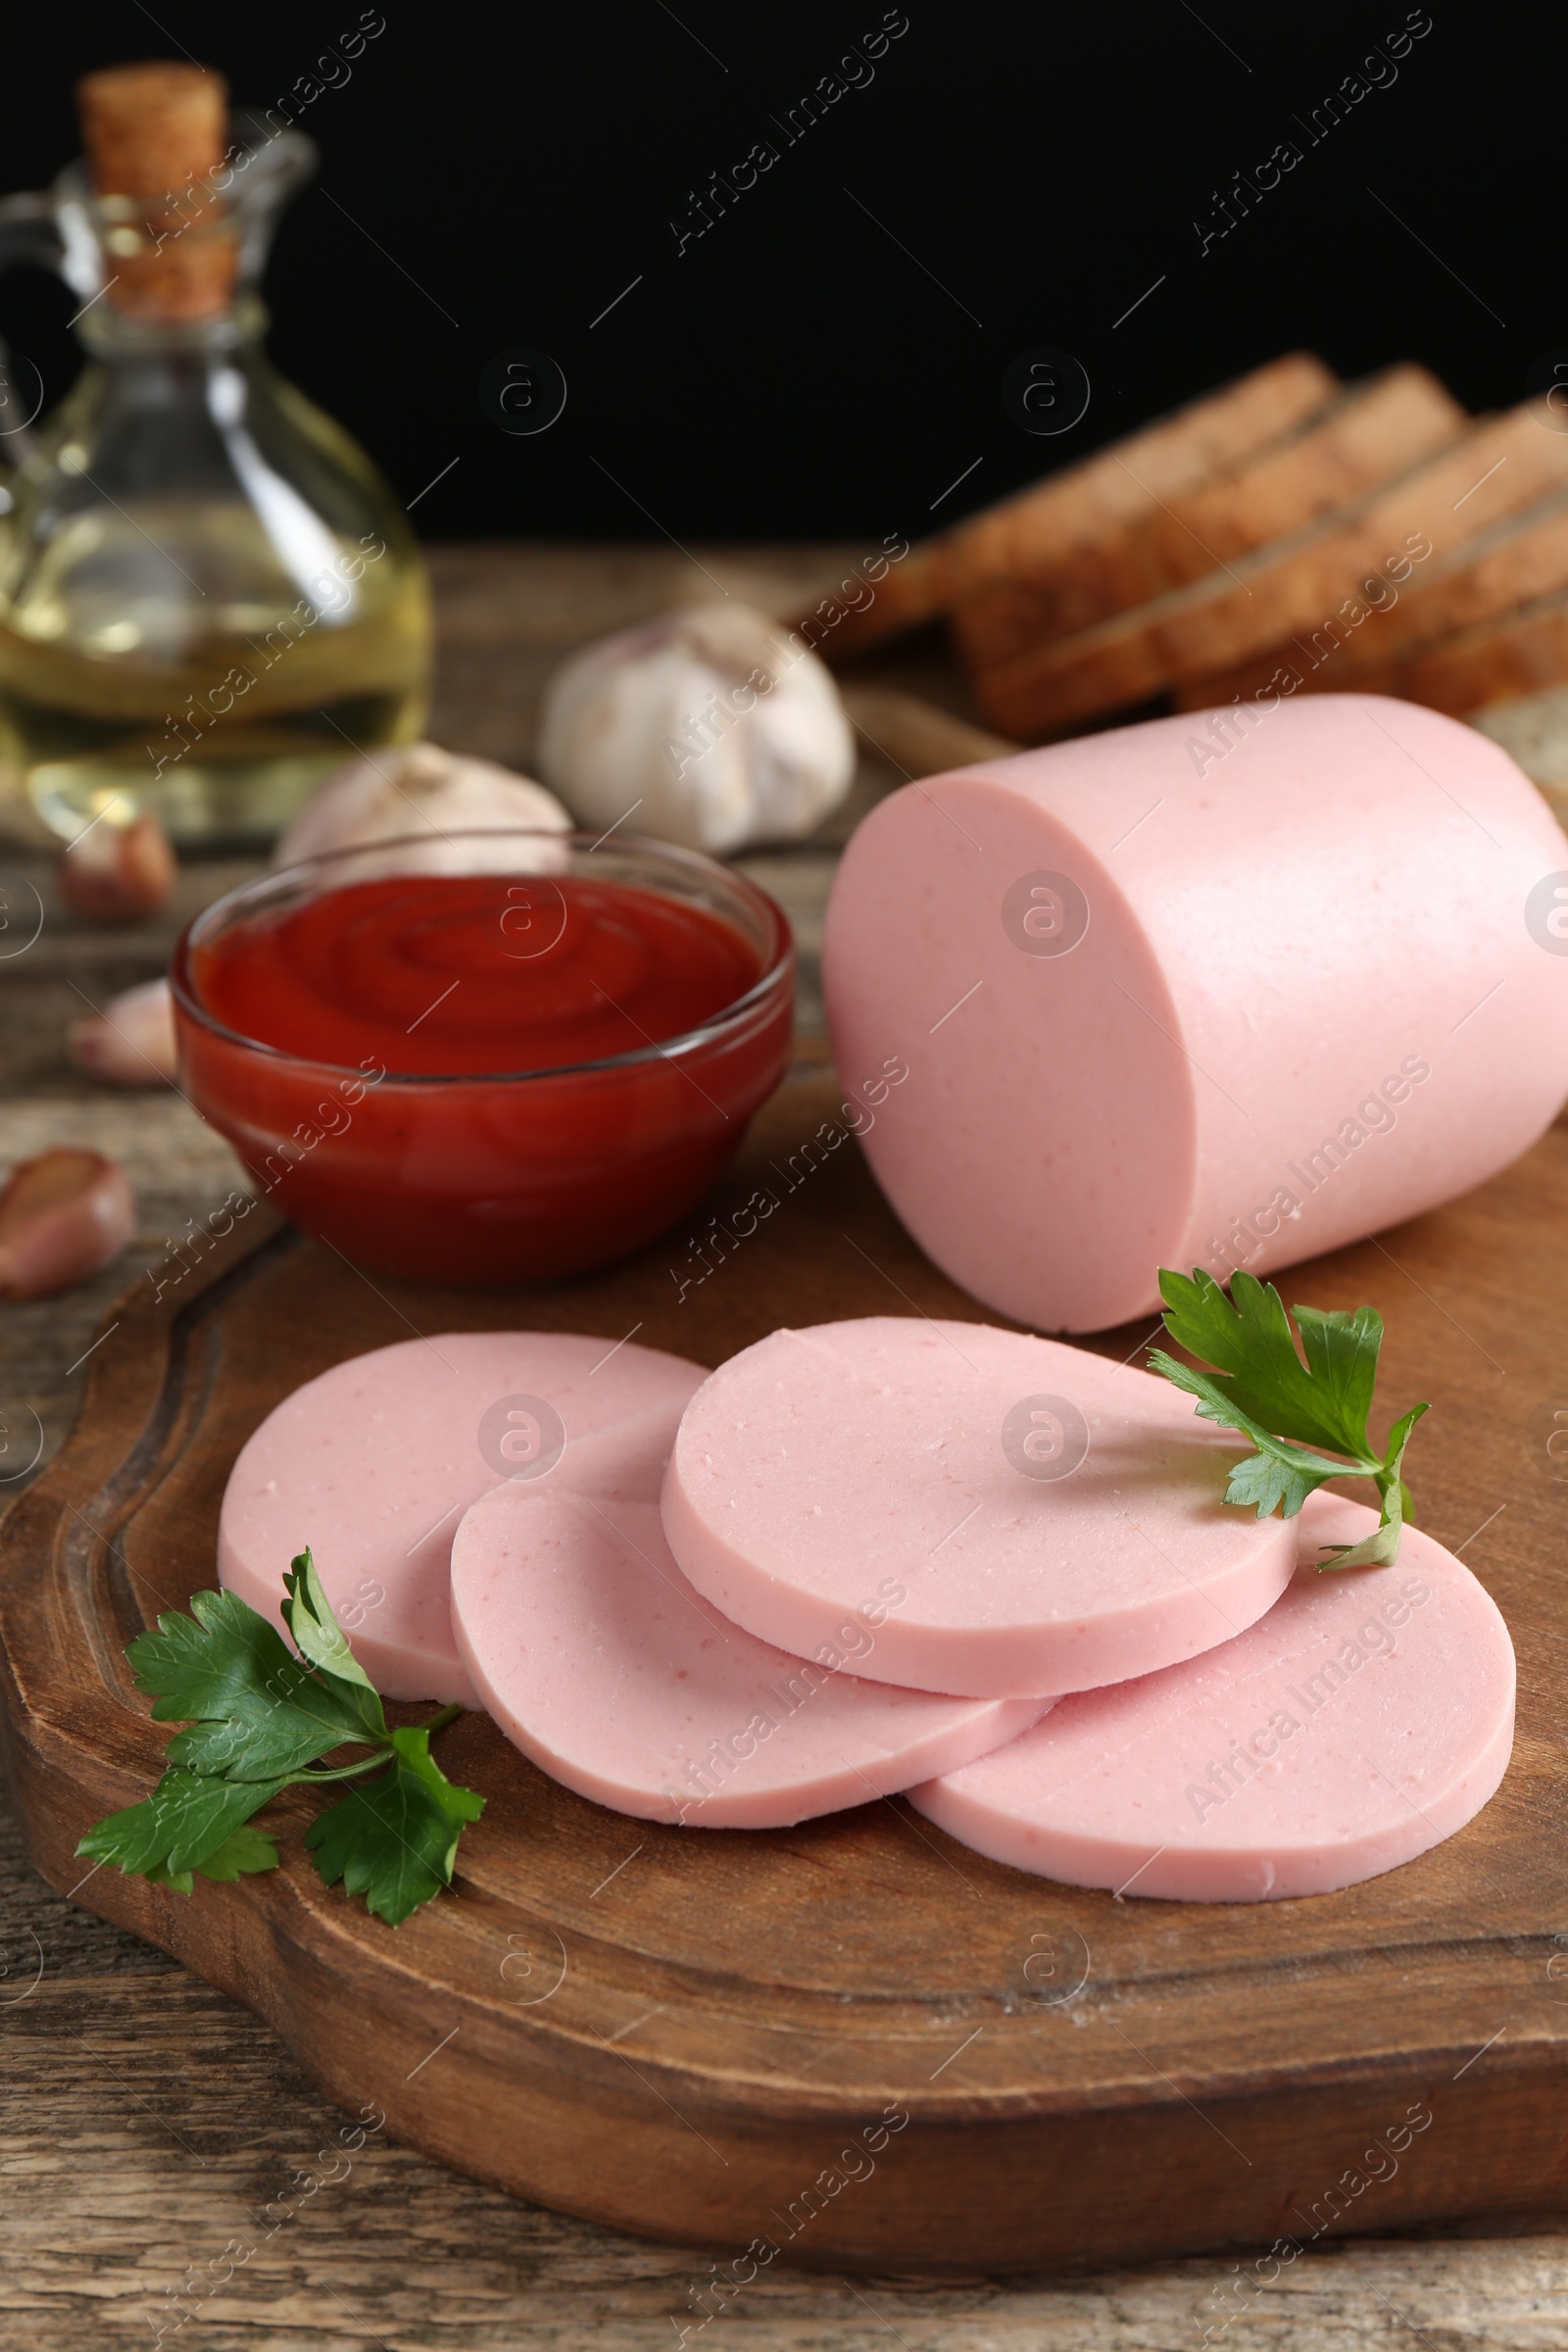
{"x": 224, "y": 711}
{"x": 209, "y": 598}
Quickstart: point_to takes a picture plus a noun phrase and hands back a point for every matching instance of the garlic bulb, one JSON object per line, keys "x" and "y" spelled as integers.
{"x": 711, "y": 726}
{"x": 132, "y": 1042}
{"x": 420, "y": 789}
{"x": 61, "y": 1216}
{"x": 116, "y": 872}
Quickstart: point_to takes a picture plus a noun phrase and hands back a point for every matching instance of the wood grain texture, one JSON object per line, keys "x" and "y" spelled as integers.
{"x": 917, "y": 736}
{"x": 148, "y": 2123}
{"x": 684, "y": 2034}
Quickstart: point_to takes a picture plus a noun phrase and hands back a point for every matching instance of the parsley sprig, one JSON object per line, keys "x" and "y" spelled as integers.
{"x": 258, "y": 1718}
{"x": 1290, "y": 1409}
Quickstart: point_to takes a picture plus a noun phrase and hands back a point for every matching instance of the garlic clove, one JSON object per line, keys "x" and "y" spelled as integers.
{"x": 62, "y": 1218}
{"x": 432, "y": 795}
{"x": 711, "y": 727}
{"x": 132, "y": 1042}
{"x": 117, "y": 871}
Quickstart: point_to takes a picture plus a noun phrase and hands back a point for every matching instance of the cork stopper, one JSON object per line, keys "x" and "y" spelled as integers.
{"x": 156, "y": 136}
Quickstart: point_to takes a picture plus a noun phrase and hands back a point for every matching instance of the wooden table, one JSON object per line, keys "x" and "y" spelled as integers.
{"x": 148, "y": 2118}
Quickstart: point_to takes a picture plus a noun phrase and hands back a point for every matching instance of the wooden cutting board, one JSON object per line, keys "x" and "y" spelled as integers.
{"x": 855, "y": 2042}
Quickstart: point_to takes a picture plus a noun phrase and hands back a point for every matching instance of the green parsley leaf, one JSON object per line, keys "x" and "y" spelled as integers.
{"x": 1323, "y": 1403}
{"x": 393, "y": 1839}
{"x": 258, "y": 1717}
{"x": 1341, "y": 1354}
{"x": 244, "y": 1850}
{"x": 1381, "y": 1548}
{"x": 1290, "y": 1409}
{"x": 1278, "y": 1472}
{"x": 255, "y": 1712}
{"x": 319, "y": 1637}
{"x": 182, "y": 1827}
{"x": 184, "y": 1882}
{"x": 247, "y": 1849}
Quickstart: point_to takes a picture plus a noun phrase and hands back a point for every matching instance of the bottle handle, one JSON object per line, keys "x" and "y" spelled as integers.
{"x": 28, "y": 232}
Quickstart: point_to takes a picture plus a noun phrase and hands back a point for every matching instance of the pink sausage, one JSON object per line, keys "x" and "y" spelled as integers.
{"x": 597, "y": 1658}
{"x": 373, "y": 1463}
{"x": 1224, "y": 989}
{"x": 1034, "y": 1517}
{"x": 1363, "y": 1720}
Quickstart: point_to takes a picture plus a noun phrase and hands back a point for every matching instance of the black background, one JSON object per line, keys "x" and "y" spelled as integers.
{"x": 804, "y": 370}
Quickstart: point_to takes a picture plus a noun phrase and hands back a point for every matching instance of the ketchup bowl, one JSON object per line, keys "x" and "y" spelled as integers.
{"x": 491, "y": 1056}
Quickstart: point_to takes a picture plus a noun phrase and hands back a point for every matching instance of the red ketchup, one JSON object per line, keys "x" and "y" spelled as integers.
{"x": 481, "y": 1077}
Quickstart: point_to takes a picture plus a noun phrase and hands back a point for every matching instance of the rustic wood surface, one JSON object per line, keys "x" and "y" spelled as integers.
{"x": 150, "y": 2120}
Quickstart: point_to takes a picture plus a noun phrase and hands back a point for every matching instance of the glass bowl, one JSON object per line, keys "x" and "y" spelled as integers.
{"x": 498, "y": 1177}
